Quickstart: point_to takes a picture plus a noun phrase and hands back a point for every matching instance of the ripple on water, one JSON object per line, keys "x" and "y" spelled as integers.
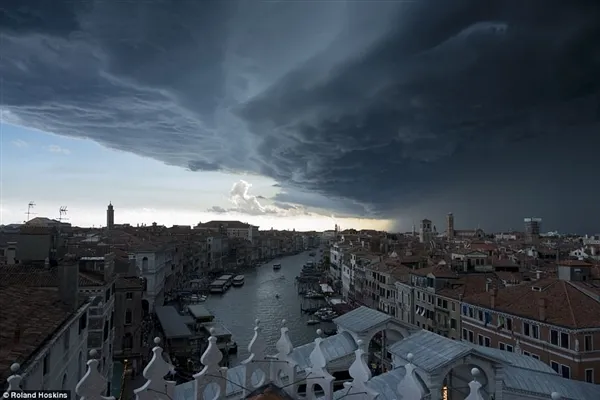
{"x": 239, "y": 307}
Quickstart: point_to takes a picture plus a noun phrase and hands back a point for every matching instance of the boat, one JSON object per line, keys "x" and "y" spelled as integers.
{"x": 238, "y": 280}
{"x": 219, "y": 286}
{"x": 232, "y": 347}
{"x": 198, "y": 299}
{"x": 313, "y": 322}
{"x": 277, "y": 266}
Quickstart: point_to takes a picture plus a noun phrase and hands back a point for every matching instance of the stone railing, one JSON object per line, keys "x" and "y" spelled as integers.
{"x": 279, "y": 370}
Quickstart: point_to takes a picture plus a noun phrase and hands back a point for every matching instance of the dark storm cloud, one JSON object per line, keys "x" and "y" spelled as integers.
{"x": 391, "y": 109}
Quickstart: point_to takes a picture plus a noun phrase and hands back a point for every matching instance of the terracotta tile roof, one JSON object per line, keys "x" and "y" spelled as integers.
{"x": 45, "y": 314}
{"x": 439, "y": 271}
{"x": 566, "y": 306}
{"x": 20, "y": 275}
{"x": 468, "y": 285}
{"x": 129, "y": 282}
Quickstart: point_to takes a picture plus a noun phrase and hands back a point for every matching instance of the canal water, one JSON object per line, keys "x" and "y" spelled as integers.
{"x": 240, "y": 306}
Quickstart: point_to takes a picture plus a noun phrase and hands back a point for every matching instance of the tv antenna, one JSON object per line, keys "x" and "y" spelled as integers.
{"x": 62, "y": 214}
{"x": 30, "y": 207}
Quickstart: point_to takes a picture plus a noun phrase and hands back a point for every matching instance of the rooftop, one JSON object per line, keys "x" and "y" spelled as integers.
{"x": 565, "y": 304}
{"x": 20, "y": 337}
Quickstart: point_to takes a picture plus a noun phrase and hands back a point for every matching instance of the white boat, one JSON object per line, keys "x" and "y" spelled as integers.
{"x": 238, "y": 280}
{"x": 277, "y": 266}
{"x": 313, "y": 322}
{"x": 198, "y": 299}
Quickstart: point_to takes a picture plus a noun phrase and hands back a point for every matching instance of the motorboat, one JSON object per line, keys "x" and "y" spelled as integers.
{"x": 276, "y": 266}
{"x": 313, "y": 322}
{"x": 238, "y": 280}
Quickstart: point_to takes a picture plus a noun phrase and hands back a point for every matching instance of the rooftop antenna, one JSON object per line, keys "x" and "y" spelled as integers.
{"x": 30, "y": 207}
{"x": 62, "y": 214}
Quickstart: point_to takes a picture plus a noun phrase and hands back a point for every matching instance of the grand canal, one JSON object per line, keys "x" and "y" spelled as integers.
{"x": 239, "y": 307}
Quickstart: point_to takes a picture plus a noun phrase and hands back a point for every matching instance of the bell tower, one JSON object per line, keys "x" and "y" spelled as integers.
{"x": 110, "y": 216}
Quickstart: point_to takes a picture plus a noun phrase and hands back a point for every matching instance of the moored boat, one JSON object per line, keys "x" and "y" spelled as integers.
{"x": 238, "y": 280}
{"x": 277, "y": 266}
{"x": 313, "y": 322}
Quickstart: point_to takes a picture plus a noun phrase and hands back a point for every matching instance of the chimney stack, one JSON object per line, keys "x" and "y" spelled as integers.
{"x": 493, "y": 295}
{"x": 542, "y": 309}
{"x": 68, "y": 283}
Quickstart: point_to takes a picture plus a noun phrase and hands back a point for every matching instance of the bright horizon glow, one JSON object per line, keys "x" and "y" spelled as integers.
{"x": 55, "y": 171}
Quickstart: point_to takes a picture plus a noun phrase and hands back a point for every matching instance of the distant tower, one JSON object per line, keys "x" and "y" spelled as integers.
{"x": 414, "y": 231}
{"x": 425, "y": 231}
{"x": 450, "y": 226}
{"x": 110, "y": 216}
{"x": 532, "y": 229}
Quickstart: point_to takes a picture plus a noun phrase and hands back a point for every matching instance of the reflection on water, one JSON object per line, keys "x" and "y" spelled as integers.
{"x": 239, "y": 307}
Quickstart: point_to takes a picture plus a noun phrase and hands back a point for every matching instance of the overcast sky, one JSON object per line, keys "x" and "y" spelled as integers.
{"x": 288, "y": 113}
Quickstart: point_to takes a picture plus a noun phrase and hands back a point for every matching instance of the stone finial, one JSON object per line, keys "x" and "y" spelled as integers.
{"x": 14, "y": 380}
{"x": 212, "y": 372}
{"x": 317, "y": 358}
{"x": 475, "y": 386}
{"x": 156, "y": 386}
{"x": 212, "y": 356}
{"x": 284, "y": 345}
{"x": 360, "y": 372}
{"x": 93, "y": 384}
{"x": 409, "y": 386}
{"x": 555, "y": 396}
{"x": 257, "y": 345}
{"x": 317, "y": 373}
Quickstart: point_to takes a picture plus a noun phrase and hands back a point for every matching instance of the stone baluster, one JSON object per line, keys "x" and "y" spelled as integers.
{"x": 409, "y": 387}
{"x": 317, "y": 373}
{"x": 212, "y": 371}
{"x": 360, "y": 373}
{"x": 475, "y": 386}
{"x": 285, "y": 366}
{"x": 256, "y": 361}
{"x": 156, "y": 386}
{"x": 14, "y": 380}
{"x": 93, "y": 384}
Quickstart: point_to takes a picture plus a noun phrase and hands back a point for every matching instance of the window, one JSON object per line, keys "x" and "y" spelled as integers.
{"x": 487, "y": 342}
{"x": 554, "y": 337}
{"x": 464, "y": 334}
{"x": 128, "y": 317}
{"x": 555, "y": 366}
{"x": 82, "y": 323}
{"x": 509, "y": 324}
{"x": 508, "y": 347}
{"x": 471, "y": 337}
{"x": 535, "y": 356}
{"x": 565, "y": 371}
{"x": 526, "y": 353}
{"x": 589, "y": 375}
{"x": 588, "y": 344}
{"x": 480, "y": 315}
{"x": 535, "y": 330}
{"x": 564, "y": 340}
{"x": 470, "y": 312}
{"x": 526, "y": 329}
{"x": 46, "y": 364}
{"x": 129, "y": 295}
{"x": 480, "y": 340}
{"x": 453, "y": 323}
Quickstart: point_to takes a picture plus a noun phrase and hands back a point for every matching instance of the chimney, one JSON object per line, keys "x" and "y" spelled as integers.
{"x": 542, "y": 309}
{"x": 493, "y": 295}
{"x": 11, "y": 253}
{"x": 68, "y": 283}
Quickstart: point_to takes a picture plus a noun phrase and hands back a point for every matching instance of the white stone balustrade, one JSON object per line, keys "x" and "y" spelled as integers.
{"x": 280, "y": 370}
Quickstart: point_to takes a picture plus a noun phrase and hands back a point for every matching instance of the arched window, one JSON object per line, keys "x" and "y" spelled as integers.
{"x": 128, "y": 317}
